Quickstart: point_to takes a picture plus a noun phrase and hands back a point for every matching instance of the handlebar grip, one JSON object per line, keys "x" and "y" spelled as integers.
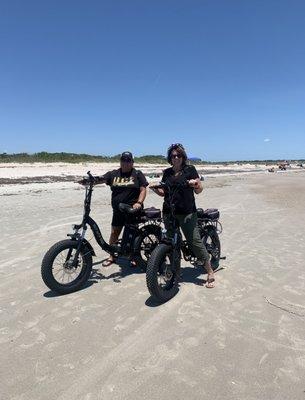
{"x": 156, "y": 187}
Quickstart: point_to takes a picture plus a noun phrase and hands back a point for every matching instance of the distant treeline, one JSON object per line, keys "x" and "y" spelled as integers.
{"x": 73, "y": 158}
{"x": 46, "y": 157}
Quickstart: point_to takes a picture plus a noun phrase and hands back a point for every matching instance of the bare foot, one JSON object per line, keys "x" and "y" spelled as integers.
{"x": 107, "y": 262}
{"x": 210, "y": 283}
{"x": 133, "y": 264}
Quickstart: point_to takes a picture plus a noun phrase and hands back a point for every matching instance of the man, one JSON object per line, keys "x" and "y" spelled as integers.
{"x": 128, "y": 185}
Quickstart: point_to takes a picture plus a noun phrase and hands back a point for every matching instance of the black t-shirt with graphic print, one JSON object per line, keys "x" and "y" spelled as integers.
{"x": 184, "y": 198}
{"x": 125, "y": 186}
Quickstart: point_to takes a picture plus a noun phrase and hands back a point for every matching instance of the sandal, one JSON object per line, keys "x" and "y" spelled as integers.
{"x": 107, "y": 262}
{"x": 210, "y": 283}
{"x": 133, "y": 264}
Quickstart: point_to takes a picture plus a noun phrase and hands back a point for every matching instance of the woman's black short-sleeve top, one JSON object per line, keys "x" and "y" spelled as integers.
{"x": 183, "y": 198}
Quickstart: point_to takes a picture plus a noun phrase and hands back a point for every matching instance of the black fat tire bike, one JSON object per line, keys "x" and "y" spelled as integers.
{"x": 67, "y": 265}
{"x": 163, "y": 268}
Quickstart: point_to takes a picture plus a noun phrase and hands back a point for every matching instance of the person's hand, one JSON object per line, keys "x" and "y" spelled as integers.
{"x": 84, "y": 181}
{"x": 194, "y": 183}
{"x": 136, "y": 205}
{"x": 154, "y": 189}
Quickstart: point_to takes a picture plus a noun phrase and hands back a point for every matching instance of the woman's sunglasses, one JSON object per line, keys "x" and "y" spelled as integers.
{"x": 176, "y": 156}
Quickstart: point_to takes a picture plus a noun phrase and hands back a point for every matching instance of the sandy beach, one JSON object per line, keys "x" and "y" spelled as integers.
{"x": 244, "y": 339}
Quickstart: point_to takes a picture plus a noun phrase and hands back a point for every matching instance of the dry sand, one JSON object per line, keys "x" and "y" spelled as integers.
{"x": 16, "y": 178}
{"x": 245, "y": 339}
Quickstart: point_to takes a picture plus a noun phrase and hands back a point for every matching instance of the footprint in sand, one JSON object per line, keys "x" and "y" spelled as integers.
{"x": 191, "y": 342}
{"x": 89, "y": 396}
{"x": 9, "y": 336}
{"x": 185, "y": 380}
{"x": 63, "y": 313}
{"x": 34, "y": 322}
{"x": 125, "y": 324}
{"x": 186, "y": 307}
{"x": 210, "y": 372}
{"x": 52, "y": 346}
{"x": 57, "y": 328}
{"x": 40, "y": 339}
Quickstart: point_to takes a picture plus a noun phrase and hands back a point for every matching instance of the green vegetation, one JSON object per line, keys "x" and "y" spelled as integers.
{"x": 45, "y": 157}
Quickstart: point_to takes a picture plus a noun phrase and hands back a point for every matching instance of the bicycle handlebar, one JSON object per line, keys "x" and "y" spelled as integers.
{"x": 90, "y": 180}
{"x": 163, "y": 185}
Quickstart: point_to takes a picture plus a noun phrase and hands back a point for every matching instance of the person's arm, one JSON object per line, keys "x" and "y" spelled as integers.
{"x": 106, "y": 178}
{"x": 158, "y": 191}
{"x": 100, "y": 179}
{"x": 195, "y": 182}
{"x": 143, "y": 184}
{"x": 97, "y": 179}
{"x": 141, "y": 198}
{"x": 197, "y": 185}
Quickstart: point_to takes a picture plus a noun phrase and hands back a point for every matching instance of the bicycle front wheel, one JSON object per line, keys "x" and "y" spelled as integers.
{"x": 59, "y": 270}
{"x": 163, "y": 272}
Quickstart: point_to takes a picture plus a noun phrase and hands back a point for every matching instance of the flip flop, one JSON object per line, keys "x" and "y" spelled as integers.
{"x": 210, "y": 283}
{"x": 133, "y": 264}
{"x": 107, "y": 262}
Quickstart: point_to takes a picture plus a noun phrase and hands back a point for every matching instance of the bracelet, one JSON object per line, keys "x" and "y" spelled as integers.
{"x": 139, "y": 202}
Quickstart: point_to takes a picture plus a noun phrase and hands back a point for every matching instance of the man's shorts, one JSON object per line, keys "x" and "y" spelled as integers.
{"x": 118, "y": 218}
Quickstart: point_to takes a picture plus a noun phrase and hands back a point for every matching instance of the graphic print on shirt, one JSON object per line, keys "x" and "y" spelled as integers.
{"x": 121, "y": 181}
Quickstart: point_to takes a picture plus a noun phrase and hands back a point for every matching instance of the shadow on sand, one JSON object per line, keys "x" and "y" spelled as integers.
{"x": 96, "y": 276}
{"x": 188, "y": 275}
{"x": 51, "y": 293}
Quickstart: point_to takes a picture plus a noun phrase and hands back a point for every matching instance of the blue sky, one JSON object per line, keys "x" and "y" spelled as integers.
{"x": 226, "y": 78}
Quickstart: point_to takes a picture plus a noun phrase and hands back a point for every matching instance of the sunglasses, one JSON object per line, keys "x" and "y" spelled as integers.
{"x": 176, "y": 156}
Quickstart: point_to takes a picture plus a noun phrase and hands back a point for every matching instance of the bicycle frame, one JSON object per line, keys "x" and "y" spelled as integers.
{"x": 130, "y": 231}
{"x": 177, "y": 243}
{"x": 176, "y": 240}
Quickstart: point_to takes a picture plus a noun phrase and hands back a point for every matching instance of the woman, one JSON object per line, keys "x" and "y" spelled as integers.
{"x": 185, "y": 207}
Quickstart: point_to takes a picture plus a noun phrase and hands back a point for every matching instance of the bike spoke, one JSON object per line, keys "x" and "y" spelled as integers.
{"x": 62, "y": 272}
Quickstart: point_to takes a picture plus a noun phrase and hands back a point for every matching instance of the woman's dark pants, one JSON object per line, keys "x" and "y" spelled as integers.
{"x": 189, "y": 227}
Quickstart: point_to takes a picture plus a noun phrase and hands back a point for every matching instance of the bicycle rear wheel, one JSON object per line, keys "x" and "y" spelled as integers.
{"x": 211, "y": 241}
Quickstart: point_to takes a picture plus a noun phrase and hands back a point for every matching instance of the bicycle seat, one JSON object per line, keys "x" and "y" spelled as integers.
{"x": 209, "y": 213}
{"x": 126, "y": 208}
{"x": 152, "y": 213}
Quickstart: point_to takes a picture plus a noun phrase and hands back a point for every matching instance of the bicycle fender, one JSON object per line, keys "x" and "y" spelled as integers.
{"x": 88, "y": 246}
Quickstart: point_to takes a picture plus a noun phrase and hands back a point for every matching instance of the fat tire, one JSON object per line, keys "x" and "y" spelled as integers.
{"x": 145, "y": 231}
{"x": 156, "y": 260}
{"x": 47, "y": 267}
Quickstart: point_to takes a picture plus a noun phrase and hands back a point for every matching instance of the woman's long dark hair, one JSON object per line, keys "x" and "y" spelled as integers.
{"x": 180, "y": 150}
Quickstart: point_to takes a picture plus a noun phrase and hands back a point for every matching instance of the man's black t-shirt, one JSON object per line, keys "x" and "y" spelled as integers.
{"x": 125, "y": 187}
{"x": 184, "y": 199}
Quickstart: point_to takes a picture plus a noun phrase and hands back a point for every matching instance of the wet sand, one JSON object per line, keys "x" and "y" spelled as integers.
{"x": 245, "y": 339}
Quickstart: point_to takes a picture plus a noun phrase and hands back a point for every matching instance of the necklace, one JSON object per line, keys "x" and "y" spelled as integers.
{"x": 176, "y": 173}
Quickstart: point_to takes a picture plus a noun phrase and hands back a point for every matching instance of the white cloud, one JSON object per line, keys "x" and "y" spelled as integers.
{"x": 267, "y": 140}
